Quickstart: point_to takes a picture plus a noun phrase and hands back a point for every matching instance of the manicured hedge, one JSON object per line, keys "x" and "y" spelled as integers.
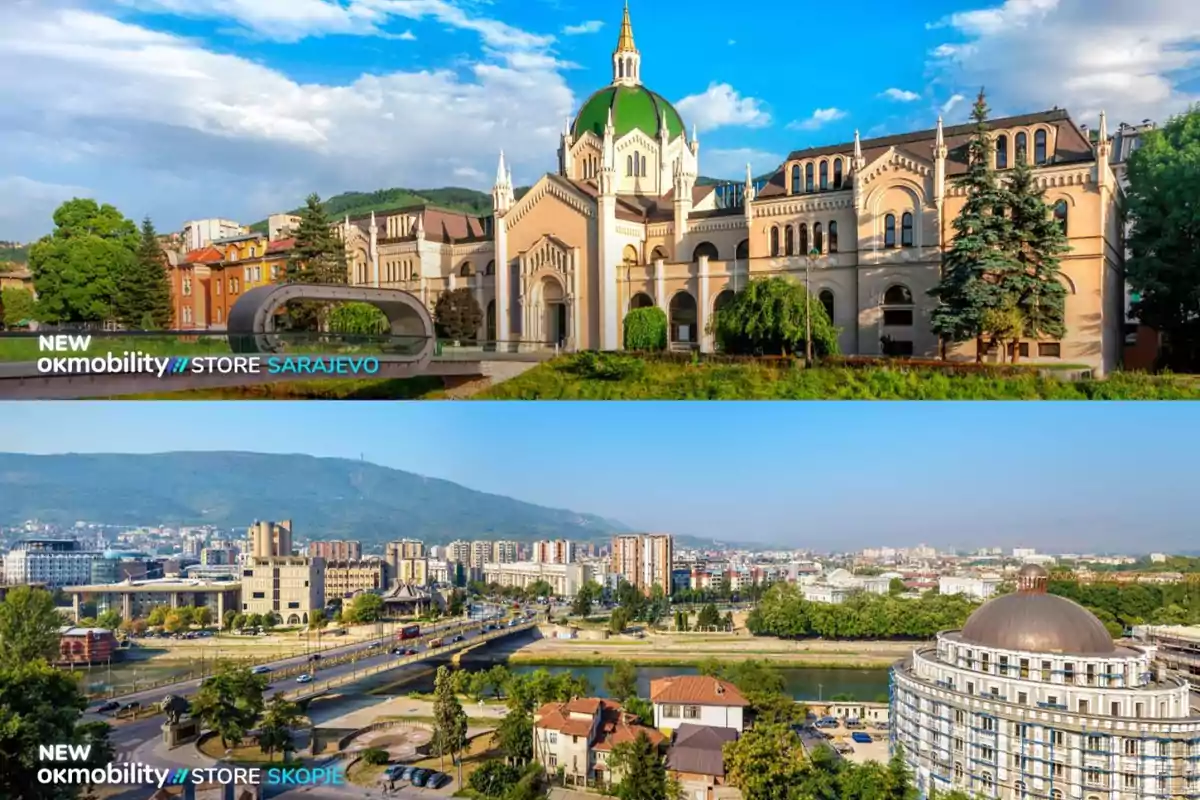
{"x": 646, "y": 329}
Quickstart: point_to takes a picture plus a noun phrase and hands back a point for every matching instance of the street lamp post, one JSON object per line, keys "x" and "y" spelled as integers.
{"x": 808, "y": 348}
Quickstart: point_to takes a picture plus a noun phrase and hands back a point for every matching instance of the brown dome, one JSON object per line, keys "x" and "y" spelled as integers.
{"x": 1036, "y": 622}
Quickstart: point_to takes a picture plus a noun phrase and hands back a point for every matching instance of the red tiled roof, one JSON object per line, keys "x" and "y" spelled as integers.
{"x": 281, "y": 245}
{"x": 615, "y": 726}
{"x": 696, "y": 689}
{"x": 205, "y": 255}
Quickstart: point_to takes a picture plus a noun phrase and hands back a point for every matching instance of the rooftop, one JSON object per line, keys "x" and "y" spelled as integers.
{"x": 696, "y": 689}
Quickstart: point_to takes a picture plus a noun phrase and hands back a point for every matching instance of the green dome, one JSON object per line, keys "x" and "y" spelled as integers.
{"x": 633, "y": 108}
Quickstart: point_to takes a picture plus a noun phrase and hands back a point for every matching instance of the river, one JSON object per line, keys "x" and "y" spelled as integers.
{"x": 802, "y": 683}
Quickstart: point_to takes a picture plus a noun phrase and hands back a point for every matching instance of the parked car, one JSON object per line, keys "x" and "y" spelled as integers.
{"x": 315, "y": 657}
{"x": 862, "y": 737}
{"x": 260, "y": 670}
{"x": 305, "y": 678}
{"x": 394, "y": 771}
{"x": 407, "y": 774}
{"x": 110, "y": 705}
{"x": 419, "y": 777}
{"x": 437, "y": 780}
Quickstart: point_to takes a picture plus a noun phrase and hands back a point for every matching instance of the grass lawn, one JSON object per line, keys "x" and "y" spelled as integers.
{"x": 363, "y": 774}
{"x": 425, "y": 387}
{"x": 619, "y": 377}
{"x": 478, "y": 750}
{"x": 242, "y": 754}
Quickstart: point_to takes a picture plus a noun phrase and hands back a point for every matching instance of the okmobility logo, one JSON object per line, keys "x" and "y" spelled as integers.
{"x": 164, "y": 366}
{"x": 139, "y": 774}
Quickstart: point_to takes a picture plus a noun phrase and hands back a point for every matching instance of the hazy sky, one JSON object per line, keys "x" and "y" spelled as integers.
{"x": 825, "y": 475}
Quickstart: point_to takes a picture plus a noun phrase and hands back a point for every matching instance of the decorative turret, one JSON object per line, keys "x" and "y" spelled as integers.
{"x": 627, "y": 61}
{"x": 748, "y": 195}
{"x": 859, "y": 161}
{"x": 373, "y": 230}
{"x": 565, "y": 160}
{"x": 502, "y": 190}
{"x": 940, "y": 151}
{"x": 608, "y": 161}
{"x": 1103, "y": 151}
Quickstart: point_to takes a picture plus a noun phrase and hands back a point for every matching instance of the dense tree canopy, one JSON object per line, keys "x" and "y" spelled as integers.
{"x": 784, "y": 612}
{"x": 1163, "y": 202}
{"x": 230, "y": 702}
{"x": 768, "y": 318}
{"x": 143, "y": 299}
{"x": 457, "y": 315}
{"x": 29, "y": 626}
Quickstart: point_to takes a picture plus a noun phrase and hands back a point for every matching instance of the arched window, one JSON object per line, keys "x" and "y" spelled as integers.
{"x": 658, "y": 253}
{"x": 789, "y": 241}
{"x": 1022, "y": 147}
{"x": 889, "y": 230}
{"x": 641, "y": 300}
{"x": 621, "y": 68}
{"x": 743, "y": 250}
{"x": 465, "y": 271}
{"x": 629, "y": 256}
{"x": 826, "y": 298}
{"x": 795, "y": 179}
{"x": 833, "y": 237}
{"x": 808, "y": 177}
{"x": 818, "y": 238}
{"x": 824, "y": 172}
{"x": 1039, "y": 147}
{"x": 906, "y": 229}
{"x": 705, "y": 249}
{"x": 837, "y": 173}
{"x": 804, "y": 237}
{"x": 490, "y": 269}
{"x": 897, "y": 306}
{"x": 986, "y": 779}
{"x": 628, "y": 165}
{"x": 1002, "y": 152}
{"x": 774, "y": 241}
{"x": 643, "y": 166}
{"x": 1060, "y": 215}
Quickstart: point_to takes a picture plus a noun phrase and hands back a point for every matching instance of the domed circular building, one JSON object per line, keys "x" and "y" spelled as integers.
{"x": 1033, "y": 698}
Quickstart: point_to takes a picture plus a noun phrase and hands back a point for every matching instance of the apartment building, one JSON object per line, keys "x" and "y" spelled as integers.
{"x": 554, "y": 551}
{"x": 410, "y": 572}
{"x": 53, "y": 562}
{"x": 481, "y": 553}
{"x": 565, "y": 579}
{"x": 266, "y": 539}
{"x": 504, "y": 552}
{"x": 644, "y": 560}
{"x": 291, "y": 587}
{"x": 345, "y": 579}
{"x": 404, "y": 548}
{"x": 336, "y": 550}
{"x": 459, "y": 551}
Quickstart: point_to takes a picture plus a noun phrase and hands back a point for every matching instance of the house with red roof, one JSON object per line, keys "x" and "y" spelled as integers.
{"x": 577, "y": 738}
{"x": 697, "y": 700}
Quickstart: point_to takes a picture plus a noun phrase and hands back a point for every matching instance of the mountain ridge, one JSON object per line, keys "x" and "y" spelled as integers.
{"x": 324, "y": 496}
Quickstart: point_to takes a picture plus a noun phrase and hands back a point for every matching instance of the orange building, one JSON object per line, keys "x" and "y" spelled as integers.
{"x": 86, "y": 645}
{"x": 210, "y": 280}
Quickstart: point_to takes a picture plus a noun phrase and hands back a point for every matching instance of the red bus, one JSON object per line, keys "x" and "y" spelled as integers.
{"x": 408, "y": 632}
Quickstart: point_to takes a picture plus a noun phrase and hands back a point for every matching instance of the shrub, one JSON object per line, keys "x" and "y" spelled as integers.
{"x": 768, "y": 318}
{"x": 646, "y": 329}
{"x": 605, "y": 366}
{"x": 375, "y": 756}
{"x": 494, "y": 778}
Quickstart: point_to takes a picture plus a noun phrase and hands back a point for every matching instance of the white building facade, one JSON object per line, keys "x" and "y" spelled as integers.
{"x": 55, "y": 563}
{"x": 1032, "y": 698}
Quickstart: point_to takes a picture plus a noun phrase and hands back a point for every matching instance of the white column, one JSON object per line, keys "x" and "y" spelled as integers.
{"x": 702, "y": 306}
{"x": 477, "y": 285}
{"x": 574, "y": 307}
{"x": 503, "y": 318}
{"x": 660, "y": 289}
{"x": 608, "y": 254}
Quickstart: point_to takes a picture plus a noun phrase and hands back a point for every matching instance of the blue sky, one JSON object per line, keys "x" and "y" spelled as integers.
{"x": 823, "y": 475}
{"x": 184, "y": 109}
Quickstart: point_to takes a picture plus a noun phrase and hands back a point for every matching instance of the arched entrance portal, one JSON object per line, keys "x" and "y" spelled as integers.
{"x": 552, "y": 321}
{"x": 683, "y": 321}
{"x": 641, "y": 300}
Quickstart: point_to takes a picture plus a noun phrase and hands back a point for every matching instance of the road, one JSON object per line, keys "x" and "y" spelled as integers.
{"x": 128, "y": 735}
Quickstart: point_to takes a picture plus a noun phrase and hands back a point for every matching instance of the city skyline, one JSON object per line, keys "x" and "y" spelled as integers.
{"x": 172, "y": 93}
{"x": 1064, "y": 477}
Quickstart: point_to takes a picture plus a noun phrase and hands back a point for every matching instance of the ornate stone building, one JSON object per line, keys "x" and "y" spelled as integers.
{"x": 627, "y": 222}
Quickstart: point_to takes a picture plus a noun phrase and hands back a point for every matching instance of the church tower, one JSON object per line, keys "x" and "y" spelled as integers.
{"x": 627, "y": 61}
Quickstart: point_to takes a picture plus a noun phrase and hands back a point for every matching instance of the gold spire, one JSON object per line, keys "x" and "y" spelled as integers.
{"x": 625, "y": 40}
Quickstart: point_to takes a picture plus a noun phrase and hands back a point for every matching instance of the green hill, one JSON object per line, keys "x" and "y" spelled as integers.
{"x": 325, "y": 497}
{"x": 13, "y": 252}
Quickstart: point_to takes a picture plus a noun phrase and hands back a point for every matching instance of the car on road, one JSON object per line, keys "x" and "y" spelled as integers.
{"x": 419, "y": 777}
{"x": 457, "y": 638}
{"x": 315, "y": 657}
{"x": 104, "y": 708}
{"x": 132, "y": 707}
{"x": 437, "y": 780}
{"x": 412, "y": 651}
{"x": 305, "y": 678}
{"x": 260, "y": 670}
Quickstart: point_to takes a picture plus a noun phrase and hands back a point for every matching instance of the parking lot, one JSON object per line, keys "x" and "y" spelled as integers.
{"x": 839, "y": 737}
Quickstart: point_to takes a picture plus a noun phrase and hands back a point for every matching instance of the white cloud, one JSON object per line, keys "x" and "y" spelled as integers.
{"x": 591, "y": 26}
{"x": 1131, "y": 59}
{"x": 901, "y": 95}
{"x": 407, "y": 36}
{"x": 720, "y": 106}
{"x": 951, "y": 104}
{"x": 731, "y": 163}
{"x": 819, "y": 118}
{"x": 199, "y": 133}
{"x": 732, "y": 42}
{"x": 26, "y": 204}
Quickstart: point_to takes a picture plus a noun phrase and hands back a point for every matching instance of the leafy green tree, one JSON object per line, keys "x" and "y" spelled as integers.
{"x": 228, "y": 619}
{"x": 458, "y": 603}
{"x": 1163, "y": 202}
{"x": 621, "y": 681}
{"x": 768, "y": 318}
{"x": 76, "y": 269}
{"x": 587, "y": 595}
{"x": 497, "y": 679}
{"x": 646, "y": 329}
{"x": 514, "y": 736}
{"x": 366, "y": 607}
{"x": 980, "y": 252}
{"x": 363, "y": 319}
{"x": 449, "y": 719}
{"x": 619, "y": 621}
{"x": 143, "y": 298}
{"x": 643, "y": 773}
{"x": 38, "y": 705}
{"x": 254, "y": 620}
{"x": 157, "y": 616}
{"x": 174, "y": 621}
{"x": 202, "y": 616}
{"x": 494, "y": 778}
{"x": 279, "y": 720}
{"x": 318, "y": 255}
{"x": 97, "y": 736}
{"x": 19, "y": 307}
{"x": 766, "y": 763}
{"x": 539, "y": 588}
{"x": 230, "y": 702}
{"x": 317, "y": 620}
{"x": 896, "y": 587}
{"x": 109, "y": 619}
{"x": 457, "y": 315}
{"x": 29, "y": 626}
{"x": 1038, "y": 242}
{"x": 709, "y": 617}
{"x": 375, "y": 756}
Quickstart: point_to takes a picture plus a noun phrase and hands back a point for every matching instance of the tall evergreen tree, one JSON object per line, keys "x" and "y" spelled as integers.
{"x": 318, "y": 256}
{"x": 144, "y": 289}
{"x": 1038, "y": 240}
{"x": 979, "y": 255}
{"x": 449, "y": 719}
